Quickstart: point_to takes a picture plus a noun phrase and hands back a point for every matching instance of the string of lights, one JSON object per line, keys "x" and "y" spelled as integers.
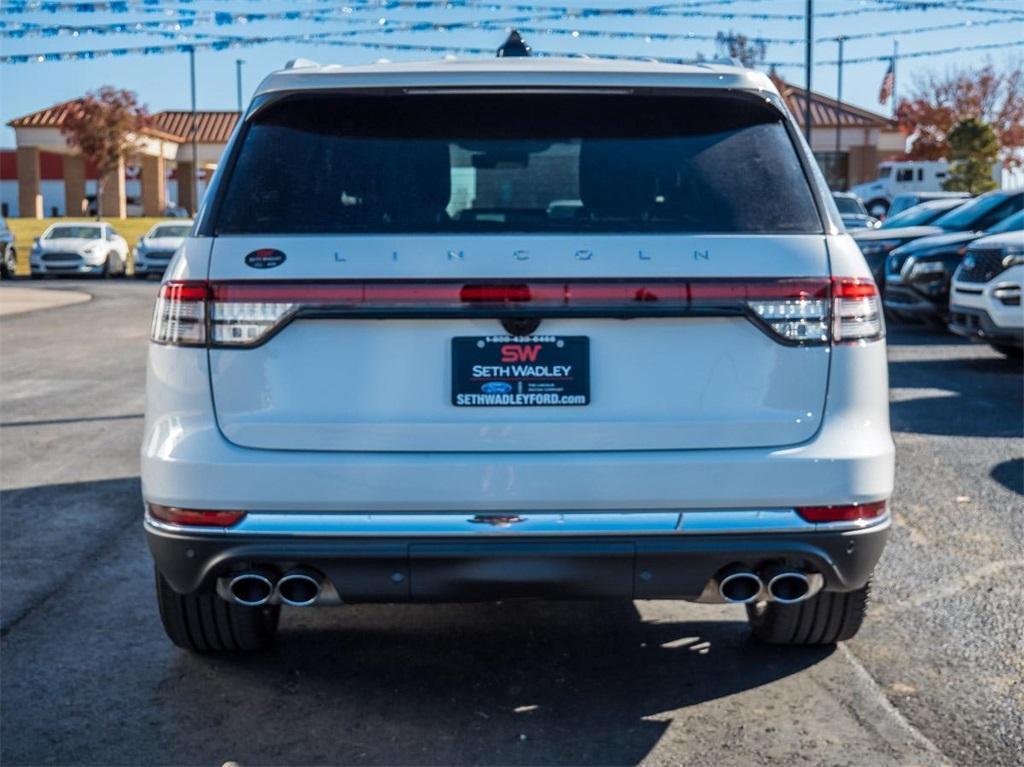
{"x": 209, "y": 42}
{"x": 693, "y": 8}
{"x": 228, "y": 43}
{"x": 159, "y": 6}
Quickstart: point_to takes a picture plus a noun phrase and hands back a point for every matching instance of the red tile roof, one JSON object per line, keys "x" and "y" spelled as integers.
{"x": 51, "y": 117}
{"x": 826, "y": 112}
{"x": 212, "y": 127}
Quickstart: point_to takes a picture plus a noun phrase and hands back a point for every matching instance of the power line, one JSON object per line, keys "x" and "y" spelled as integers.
{"x": 921, "y": 30}
{"x": 934, "y": 52}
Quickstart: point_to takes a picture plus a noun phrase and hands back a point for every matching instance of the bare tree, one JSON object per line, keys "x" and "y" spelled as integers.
{"x": 104, "y": 126}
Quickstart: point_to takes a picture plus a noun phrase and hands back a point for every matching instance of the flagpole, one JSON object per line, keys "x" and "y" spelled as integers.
{"x": 895, "y": 55}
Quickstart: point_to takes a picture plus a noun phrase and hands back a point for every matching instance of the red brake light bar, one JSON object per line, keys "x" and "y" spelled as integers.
{"x": 245, "y": 313}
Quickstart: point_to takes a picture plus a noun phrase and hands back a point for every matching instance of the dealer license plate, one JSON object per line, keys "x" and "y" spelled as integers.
{"x": 502, "y": 371}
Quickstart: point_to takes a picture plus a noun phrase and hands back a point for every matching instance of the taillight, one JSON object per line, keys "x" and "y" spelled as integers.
{"x": 195, "y": 517}
{"x": 849, "y": 513}
{"x": 801, "y": 318}
{"x": 856, "y": 311}
{"x": 795, "y": 311}
{"x": 180, "y": 314}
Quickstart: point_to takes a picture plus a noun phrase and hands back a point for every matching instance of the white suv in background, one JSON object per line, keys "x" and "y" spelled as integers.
{"x": 391, "y": 364}
{"x": 985, "y": 301}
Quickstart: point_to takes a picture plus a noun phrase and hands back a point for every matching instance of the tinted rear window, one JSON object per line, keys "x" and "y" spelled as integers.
{"x": 517, "y": 163}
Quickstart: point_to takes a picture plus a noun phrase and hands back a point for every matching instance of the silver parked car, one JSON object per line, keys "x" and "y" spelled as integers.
{"x": 155, "y": 248}
{"x": 8, "y": 253}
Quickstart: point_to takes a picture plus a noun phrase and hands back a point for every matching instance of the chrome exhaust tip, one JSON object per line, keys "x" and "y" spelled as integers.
{"x": 791, "y": 586}
{"x": 300, "y": 587}
{"x": 251, "y": 589}
{"x": 740, "y": 587}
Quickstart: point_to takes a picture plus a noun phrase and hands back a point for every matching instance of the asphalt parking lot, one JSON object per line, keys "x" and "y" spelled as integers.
{"x": 88, "y": 677}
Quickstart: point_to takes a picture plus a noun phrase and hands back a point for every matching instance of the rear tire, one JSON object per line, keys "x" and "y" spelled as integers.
{"x": 824, "y": 619}
{"x": 205, "y": 623}
{"x": 1008, "y": 350}
{"x": 9, "y": 265}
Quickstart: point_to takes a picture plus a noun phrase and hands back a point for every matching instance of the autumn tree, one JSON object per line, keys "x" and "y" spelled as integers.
{"x": 939, "y": 102}
{"x": 104, "y": 126}
{"x": 973, "y": 150}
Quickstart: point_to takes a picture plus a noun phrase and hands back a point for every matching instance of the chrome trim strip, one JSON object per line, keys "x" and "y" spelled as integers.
{"x": 512, "y": 524}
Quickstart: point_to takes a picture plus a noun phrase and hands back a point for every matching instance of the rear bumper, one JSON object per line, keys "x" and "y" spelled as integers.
{"x": 446, "y": 568}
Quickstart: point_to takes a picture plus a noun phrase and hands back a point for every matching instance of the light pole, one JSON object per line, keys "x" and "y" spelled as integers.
{"x": 839, "y": 92}
{"x": 195, "y": 130}
{"x": 808, "y": 66}
{"x": 238, "y": 81}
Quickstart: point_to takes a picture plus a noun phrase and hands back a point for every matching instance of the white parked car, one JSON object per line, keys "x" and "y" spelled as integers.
{"x": 154, "y": 250}
{"x": 79, "y": 248}
{"x": 420, "y": 381}
{"x": 985, "y": 302}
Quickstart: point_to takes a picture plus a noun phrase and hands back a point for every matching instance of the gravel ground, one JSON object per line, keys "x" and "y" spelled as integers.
{"x": 88, "y": 678}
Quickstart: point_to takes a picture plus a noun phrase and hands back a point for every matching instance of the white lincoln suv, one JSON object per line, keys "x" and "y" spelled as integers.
{"x": 546, "y": 328}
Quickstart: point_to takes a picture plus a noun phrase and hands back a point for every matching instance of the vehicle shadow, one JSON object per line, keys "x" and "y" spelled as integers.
{"x": 1010, "y": 474}
{"x": 980, "y": 397}
{"x": 508, "y": 683}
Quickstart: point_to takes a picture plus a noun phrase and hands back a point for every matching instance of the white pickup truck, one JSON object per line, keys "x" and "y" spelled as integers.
{"x": 895, "y": 178}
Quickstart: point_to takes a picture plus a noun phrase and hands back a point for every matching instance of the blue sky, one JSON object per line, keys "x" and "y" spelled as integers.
{"x": 162, "y": 81}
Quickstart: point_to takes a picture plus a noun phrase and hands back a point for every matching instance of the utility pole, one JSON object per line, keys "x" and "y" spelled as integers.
{"x": 195, "y": 130}
{"x": 808, "y": 67}
{"x": 238, "y": 81}
{"x": 839, "y": 93}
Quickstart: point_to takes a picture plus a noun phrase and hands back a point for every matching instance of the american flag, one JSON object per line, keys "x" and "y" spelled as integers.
{"x": 887, "y": 83}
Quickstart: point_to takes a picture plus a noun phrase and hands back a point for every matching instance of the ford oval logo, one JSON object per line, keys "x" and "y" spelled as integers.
{"x": 970, "y": 262}
{"x": 496, "y": 387}
{"x": 265, "y": 258}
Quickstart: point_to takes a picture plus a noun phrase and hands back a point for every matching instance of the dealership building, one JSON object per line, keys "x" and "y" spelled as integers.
{"x": 44, "y": 177}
